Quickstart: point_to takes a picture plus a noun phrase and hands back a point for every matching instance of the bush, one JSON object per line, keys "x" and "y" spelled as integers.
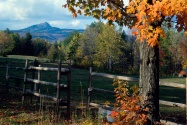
{"x": 130, "y": 111}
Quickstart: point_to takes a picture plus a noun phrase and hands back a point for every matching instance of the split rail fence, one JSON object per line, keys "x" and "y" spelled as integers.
{"x": 130, "y": 79}
{"x": 32, "y": 86}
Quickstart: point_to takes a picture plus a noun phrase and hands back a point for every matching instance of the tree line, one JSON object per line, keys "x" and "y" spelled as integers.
{"x": 13, "y": 43}
{"x": 103, "y": 46}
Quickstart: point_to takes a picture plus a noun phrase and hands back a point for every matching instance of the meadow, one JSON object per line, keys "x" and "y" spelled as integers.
{"x": 13, "y": 112}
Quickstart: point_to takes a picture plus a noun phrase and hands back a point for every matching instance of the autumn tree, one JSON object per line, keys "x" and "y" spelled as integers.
{"x": 111, "y": 48}
{"x": 183, "y": 51}
{"x": 101, "y": 46}
{"x": 52, "y": 53}
{"x": 87, "y": 46}
{"x": 170, "y": 52}
{"x": 145, "y": 17}
{"x": 6, "y": 43}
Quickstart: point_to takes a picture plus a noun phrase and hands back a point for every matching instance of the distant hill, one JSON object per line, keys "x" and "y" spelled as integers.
{"x": 45, "y": 31}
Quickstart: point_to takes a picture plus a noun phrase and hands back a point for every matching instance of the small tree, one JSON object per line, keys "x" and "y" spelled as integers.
{"x": 52, "y": 53}
{"x": 6, "y": 43}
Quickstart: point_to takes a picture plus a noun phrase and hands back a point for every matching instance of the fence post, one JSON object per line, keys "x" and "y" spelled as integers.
{"x": 7, "y": 77}
{"x": 89, "y": 88}
{"x": 68, "y": 90}
{"x": 38, "y": 87}
{"x": 33, "y": 85}
{"x": 58, "y": 86}
{"x": 25, "y": 80}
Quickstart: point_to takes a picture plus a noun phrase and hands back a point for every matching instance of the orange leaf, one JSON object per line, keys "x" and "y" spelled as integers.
{"x": 74, "y": 15}
{"x": 114, "y": 114}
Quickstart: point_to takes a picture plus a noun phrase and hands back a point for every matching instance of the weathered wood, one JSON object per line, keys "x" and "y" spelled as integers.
{"x": 7, "y": 76}
{"x": 44, "y": 82}
{"x": 102, "y": 106}
{"x": 89, "y": 86}
{"x": 172, "y": 104}
{"x": 171, "y": 84}
{"x": 115, "y": 76}
{"x": 101, "y": 90}
{"x": 69, "y": 91}
{"x": 58, "y": 85}
{"x": 39, "y": 85}
{"x": 25, "y": 80}
{"x": 48, "y": 69}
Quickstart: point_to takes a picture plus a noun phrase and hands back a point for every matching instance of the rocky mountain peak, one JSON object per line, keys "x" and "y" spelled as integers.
{"x": 44, "y": 25}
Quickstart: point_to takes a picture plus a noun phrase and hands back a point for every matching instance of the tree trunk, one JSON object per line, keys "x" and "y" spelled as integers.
{"x": 149, "y": 80}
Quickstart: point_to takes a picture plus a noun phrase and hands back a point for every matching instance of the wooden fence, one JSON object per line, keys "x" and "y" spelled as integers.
{"x": 35, "y": 83}
{"x": 91, "y": 88}
{"x": 7, "y": 69}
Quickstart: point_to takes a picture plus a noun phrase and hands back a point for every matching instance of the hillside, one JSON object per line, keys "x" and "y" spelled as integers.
{"x": 45, "y": 31}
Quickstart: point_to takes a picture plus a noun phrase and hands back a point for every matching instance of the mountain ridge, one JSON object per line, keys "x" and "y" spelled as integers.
{"x": 46, "y": 31}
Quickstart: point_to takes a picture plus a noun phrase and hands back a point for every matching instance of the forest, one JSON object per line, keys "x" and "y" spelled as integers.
{"x": 102, "y": 46}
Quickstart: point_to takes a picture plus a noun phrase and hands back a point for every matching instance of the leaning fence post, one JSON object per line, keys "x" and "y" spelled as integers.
{"x": 7, "y": 77}
{"x": 90, "y": 86}
{"x": 25, "y": 80}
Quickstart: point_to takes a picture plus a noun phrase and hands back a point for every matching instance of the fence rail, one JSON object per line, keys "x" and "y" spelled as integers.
{"x": 115, "y": 77}
{"x": 35, "y": 90}
{"x": 172, "y": 84}
{"x": 91, "y": 89}
{"x": 48, "y": 69}
{"x": 35, "y": 84}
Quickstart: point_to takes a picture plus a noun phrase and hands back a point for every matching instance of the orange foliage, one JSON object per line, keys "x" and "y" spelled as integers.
{"x": 146, "y": 16}
{"x": 128, "y": 104}
{"x": 151, "y": 15}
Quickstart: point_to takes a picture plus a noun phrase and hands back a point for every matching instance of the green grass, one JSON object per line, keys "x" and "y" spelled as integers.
{"x": 23, "y": 57}
{"x": 79, "y": 85}
{"x": 174, "y": 114}
{"x": 181, "y": 80}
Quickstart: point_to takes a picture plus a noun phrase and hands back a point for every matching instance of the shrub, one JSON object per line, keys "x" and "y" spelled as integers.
{"x": 129, "y": 110}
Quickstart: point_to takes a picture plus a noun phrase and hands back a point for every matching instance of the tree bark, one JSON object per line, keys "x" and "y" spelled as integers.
{"x": 149, "y": 80}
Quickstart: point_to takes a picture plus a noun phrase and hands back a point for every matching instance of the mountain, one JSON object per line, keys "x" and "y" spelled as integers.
{"x": 45, "y": 31}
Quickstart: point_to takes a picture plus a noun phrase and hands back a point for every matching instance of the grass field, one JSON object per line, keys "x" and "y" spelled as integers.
{"x": 79, "y": 85}
{"x": 181, "y": 80}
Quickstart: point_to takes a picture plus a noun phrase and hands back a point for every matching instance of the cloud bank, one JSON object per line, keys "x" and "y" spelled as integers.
{"x": 18, "y": 14}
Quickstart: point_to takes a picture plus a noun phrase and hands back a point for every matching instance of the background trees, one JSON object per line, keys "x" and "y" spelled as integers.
{"x": 101, "y": 46}
{"x": 6, "y": 43}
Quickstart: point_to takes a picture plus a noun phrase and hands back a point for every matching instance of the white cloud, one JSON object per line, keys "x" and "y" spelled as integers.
{"x": 75, "y": 22}
{"x": 18, "y": 14}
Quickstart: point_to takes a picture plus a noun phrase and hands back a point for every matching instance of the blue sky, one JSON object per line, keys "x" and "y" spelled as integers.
{"x": 18, "y": 14}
